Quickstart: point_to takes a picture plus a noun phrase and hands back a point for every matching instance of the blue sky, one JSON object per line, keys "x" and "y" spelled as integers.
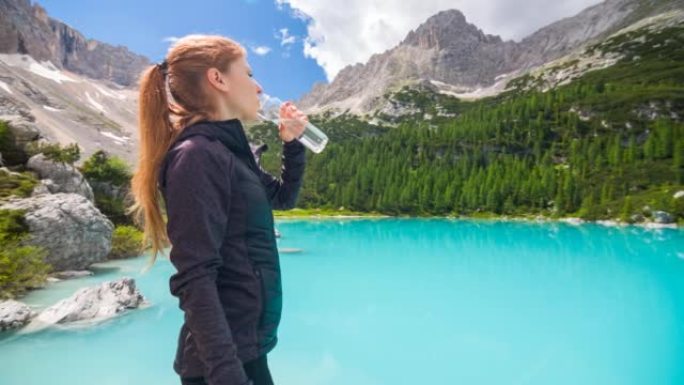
{"x": 143, "y": 26}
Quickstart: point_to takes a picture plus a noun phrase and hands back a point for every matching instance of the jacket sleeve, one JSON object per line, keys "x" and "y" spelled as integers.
{"x": 283, "y": 191}
{"x": 197, "y": 196}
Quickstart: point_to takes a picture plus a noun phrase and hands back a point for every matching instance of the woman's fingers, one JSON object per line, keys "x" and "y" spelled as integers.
{"x": 293, "y": 117}
{"x": 293, "y": 113}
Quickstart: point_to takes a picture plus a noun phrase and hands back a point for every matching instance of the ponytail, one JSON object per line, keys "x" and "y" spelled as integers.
{"x": 156, "y": 135}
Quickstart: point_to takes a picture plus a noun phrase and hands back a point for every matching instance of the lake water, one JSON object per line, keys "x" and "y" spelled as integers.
{"x": 413, "y": 301}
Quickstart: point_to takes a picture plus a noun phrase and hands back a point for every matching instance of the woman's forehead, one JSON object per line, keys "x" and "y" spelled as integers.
{"x": 239, "y": 65}
{"x": 241, "y": 62}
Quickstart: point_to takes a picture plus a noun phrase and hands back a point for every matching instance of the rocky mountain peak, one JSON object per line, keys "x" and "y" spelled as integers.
{"x": 447, "y": 28}
{"x": 26, "y": 28}
{"x": 445, "y": 48}
{"x": 41, "y": 14}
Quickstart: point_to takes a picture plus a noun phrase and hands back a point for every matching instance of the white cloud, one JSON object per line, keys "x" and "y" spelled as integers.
{"x": 284, "y": 36}
{"x": 339, "y": 36}
{"x": 170, "y": 39}
{"x": 261, "y": 50}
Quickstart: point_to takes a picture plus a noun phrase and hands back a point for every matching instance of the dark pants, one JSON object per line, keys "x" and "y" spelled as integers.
{"x": 257, "y": 371}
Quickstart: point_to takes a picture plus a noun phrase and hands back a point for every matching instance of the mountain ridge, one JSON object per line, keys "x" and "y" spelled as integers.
{"x": 473, "y": 60}
{"x": 26, "y": 28}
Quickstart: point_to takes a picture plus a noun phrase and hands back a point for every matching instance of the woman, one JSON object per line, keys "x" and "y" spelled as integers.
{"x": 219, "y": 205}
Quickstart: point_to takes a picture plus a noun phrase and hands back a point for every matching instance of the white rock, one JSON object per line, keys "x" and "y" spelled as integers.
{"x": 94, "y": 303}
{"x": 678, "y": 194}
{"x": 70, "y": 274}
{"x": 609, "y": 223}
{"x": 14, "y": 314}
{"x": 653, "y": 225}
{"x": 572, "y": 221}
{"x": 65, "y": 178}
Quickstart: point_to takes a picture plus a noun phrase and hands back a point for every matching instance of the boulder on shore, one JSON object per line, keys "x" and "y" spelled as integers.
{"x": 662, "y": 217}
{"x": 14, "y": 314}
{"x": 75, "y": 233}
{"x": 96, "y": 303}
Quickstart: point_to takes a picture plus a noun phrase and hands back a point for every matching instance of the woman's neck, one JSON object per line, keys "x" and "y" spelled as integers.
{"x": 223, "y": 112}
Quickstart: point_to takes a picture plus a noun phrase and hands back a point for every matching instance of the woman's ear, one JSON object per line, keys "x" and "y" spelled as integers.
{"x": 217, "y": 80}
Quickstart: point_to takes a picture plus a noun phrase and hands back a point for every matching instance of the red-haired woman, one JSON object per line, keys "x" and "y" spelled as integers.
{"x": 219, "y": 202}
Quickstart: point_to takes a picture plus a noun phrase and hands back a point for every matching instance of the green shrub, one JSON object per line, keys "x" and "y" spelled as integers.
{"x": 68, "y": 154}
{"x": 6, "y": 142}
{"x": 18, "y": 185}
{"x": 102, "y": 167}
{"x": 627, "y": 210}
{"x": 126, "y": 242}
{"x": 13, "y": 227}
{"x": 112, "y": 208}
{"x": 677, "y": 207}
{"x": 21, "y": 267}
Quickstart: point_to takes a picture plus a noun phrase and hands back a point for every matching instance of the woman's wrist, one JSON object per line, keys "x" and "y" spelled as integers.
{"x": 293, "y": 144}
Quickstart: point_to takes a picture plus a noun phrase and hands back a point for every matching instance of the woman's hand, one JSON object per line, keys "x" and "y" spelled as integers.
{"x": 292, "y": 122}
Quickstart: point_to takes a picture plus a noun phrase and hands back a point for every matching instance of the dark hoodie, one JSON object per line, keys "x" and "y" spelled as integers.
{"x": 219, "y": 204}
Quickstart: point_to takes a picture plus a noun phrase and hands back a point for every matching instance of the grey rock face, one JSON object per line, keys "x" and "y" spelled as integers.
{"x": 63, "y": 177}
{"x": 24, "y": 131}
{"x": 14, "y": 315}
{"x": 69, "y": 226}
{"x": 461, "y": 53}
{"x": 445, "y": 48}
{"x": 94, "y": 303}
{"x": 96, "y": 114}
{"x": 27, "y": 29}
{"x": 45, "y": 186}
{"x": 561, "y": 37}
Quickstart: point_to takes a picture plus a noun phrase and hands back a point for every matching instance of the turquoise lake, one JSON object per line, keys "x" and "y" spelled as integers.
{"x": 413, "y": 301}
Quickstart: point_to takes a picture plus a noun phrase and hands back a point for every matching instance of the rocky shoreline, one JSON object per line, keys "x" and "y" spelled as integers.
{"x": 537, "y": 219}
{"x": 60, "y": 217}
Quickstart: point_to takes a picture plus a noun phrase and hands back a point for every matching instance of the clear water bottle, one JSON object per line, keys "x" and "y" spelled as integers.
{"x": 312, "y": 137}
